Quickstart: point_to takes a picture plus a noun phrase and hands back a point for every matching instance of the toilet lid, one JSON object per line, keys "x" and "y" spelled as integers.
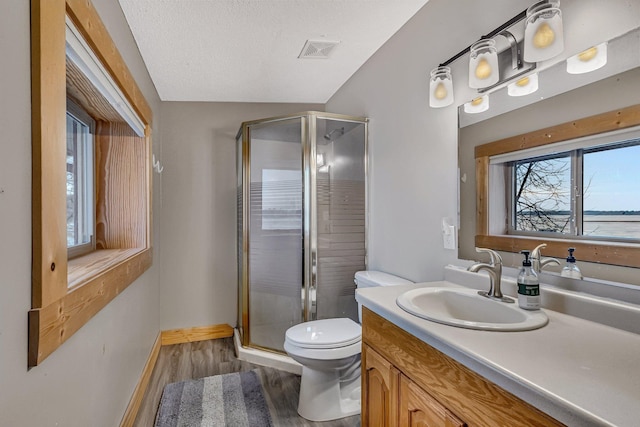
{"x": 325, "y": 333}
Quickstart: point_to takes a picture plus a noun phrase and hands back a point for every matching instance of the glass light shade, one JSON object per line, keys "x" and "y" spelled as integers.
{"x": 483, "y": 64}
{"x": 588, "y": 60}
{"x": 543, "y": 33}
{"x": 440, "y": 87}
{"x": 523, "y": 86}
{"x": 477, "y": 105}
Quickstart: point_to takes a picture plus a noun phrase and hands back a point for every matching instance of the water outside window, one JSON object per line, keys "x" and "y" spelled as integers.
{"x": 612, "y": 192}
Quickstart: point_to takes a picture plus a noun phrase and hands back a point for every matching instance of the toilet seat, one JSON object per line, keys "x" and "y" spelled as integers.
{"x": 324, "y": 334}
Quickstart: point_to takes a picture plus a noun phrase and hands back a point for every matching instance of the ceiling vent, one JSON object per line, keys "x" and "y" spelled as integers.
{"x": 317, "y": 49}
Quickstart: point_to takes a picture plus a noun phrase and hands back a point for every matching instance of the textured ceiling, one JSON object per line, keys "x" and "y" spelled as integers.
{"x": 247, "y": 50}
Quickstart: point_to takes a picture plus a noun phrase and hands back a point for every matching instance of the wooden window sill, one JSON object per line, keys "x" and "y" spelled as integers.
{"x": 82, "y": 269}
{"x": 612, "y": 253}
{"x": 97, "y": 278}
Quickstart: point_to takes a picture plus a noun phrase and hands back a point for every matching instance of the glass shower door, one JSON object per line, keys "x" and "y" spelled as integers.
{"x": 276, "y": 231}
{"x": 341, "y": 215}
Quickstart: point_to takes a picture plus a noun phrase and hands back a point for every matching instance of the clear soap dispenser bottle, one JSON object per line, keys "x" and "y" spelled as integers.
{"x": 528, "y": 285}
{"x": 571, "y": 269}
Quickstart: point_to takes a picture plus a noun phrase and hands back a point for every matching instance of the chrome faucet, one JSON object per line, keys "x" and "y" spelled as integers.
{"x": 495, "y": 274}
{"x": 538, "y": 262}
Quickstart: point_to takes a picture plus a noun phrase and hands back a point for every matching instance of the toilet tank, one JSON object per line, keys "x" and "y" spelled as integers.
{"x": 372, "y": 279}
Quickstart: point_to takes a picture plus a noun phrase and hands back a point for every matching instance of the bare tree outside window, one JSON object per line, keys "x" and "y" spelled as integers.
{"x": 542, "y": 195}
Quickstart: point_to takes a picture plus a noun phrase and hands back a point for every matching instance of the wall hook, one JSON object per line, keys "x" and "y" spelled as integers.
{"x": 156, "y": 165}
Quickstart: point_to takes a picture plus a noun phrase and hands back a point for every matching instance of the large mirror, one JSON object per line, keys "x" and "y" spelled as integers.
{"x": 561, "y": 98}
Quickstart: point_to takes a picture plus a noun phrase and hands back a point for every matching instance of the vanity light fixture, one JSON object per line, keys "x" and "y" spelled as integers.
{"x": 483, "y": 64}
{"x": 488, "y": 68}
{"x": 440, "y": 87}
{"x": 588, "y": 60}
{"x": 543, "y": 33}
{"x": 477, "y": 105}
{"x": 523, "y": 86}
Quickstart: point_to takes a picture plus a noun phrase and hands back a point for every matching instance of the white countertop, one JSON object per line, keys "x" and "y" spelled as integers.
{"x": 580, "y": 372}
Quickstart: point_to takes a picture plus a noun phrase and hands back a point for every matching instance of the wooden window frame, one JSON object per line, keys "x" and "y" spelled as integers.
{"x": 66, "y": 294}
{"x": 612, "y": 253}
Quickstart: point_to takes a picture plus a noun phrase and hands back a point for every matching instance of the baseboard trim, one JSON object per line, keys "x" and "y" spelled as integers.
{"x": 170, "y": 337}
{"x": 138, "y": 393}
{"x": 199, "y": 333}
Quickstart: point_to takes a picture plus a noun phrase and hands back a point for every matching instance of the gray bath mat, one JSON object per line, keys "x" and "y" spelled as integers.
{"x": 233, "y": 399}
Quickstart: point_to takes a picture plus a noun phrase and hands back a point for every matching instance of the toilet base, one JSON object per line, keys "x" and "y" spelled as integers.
{"x": 323, "y": 397}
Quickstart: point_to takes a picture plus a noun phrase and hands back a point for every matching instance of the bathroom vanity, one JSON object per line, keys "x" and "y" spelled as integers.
{"x": 573, "y": 371}
{"x": 407, "y": 380}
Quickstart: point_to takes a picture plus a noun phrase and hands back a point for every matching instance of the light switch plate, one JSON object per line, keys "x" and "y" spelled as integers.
{"x": 448, "y": 234}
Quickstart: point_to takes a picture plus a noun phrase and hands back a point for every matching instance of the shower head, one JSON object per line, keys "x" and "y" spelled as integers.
{"x": 327, "y": 136}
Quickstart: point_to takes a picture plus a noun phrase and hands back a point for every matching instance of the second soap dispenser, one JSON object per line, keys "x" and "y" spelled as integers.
{"x": 571, "y": 269}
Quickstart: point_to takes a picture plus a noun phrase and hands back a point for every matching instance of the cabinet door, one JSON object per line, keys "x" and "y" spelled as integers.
{"x": 418, "y": 409}
{"x": 380, "y": 390}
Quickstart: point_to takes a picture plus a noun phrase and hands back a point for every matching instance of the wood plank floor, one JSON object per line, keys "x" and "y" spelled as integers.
{"x": 181, "y": 362}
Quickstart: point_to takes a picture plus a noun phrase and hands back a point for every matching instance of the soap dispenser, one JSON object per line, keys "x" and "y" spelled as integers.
{"x": 528, "y": 285}
{"x": 571, "y": 269}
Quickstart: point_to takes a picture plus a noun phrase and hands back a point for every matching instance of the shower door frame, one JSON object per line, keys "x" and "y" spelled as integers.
{"x": 308, "y": 121}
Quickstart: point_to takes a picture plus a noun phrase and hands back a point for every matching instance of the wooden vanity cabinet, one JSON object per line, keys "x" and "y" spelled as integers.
{"x": 417, "y": 408}
{"x": 406, "y": 382}
{"x": 380, "y": 390}
{"x": 391, "y": 399}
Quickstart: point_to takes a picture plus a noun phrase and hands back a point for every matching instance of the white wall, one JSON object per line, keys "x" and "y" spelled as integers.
{"x": 198, "y": 284}
{"x": 413, "y": 148}
{"x": 88, "y": 380}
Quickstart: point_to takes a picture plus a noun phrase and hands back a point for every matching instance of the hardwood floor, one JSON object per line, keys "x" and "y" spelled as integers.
{"x": 181, "y": 362}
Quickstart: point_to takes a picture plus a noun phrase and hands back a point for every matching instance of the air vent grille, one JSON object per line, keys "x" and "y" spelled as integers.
{"x": 317, "y": 49}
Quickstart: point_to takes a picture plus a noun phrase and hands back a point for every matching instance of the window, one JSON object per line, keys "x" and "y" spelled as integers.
{"x": 74, "y": 57}
{"x": 589, "y": 192}
{"x": 573, "y": 184}
{"x": 80, "y": 187}
{"x": 281, "y": 199}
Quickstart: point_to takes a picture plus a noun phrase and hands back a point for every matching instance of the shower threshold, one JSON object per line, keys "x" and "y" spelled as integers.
{"x": 265, "y": 358}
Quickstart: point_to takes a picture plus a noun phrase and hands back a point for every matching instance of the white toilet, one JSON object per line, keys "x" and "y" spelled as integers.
{"x": 329, "y": 352}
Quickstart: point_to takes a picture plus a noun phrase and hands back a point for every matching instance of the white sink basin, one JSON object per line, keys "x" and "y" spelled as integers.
{"x": 466, "y": 309}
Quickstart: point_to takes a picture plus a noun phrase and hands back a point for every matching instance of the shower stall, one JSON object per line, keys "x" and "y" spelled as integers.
{"x": 302, "y": 220}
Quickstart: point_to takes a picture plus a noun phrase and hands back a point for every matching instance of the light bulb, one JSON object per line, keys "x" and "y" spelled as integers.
{"x": 440, "y": 87}
{"x": 477, "y": 105}
{"x": 588, "y": 60}
{"x": 523, "y": 86}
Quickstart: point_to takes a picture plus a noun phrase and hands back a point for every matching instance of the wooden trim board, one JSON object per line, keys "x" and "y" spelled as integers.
{"x": 622, "y": 118}
{"x": 169, "y": 337}
{"x": 138, "y": 393}
{"x": 199, "y": 333}
{"x": 52, "y": 325}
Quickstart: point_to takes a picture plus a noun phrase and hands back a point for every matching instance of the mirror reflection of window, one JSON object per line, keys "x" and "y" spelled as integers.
{"x": 590, "y": 191}
{"x": 542, "y": 195}
{"x": 612, "y": 192}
